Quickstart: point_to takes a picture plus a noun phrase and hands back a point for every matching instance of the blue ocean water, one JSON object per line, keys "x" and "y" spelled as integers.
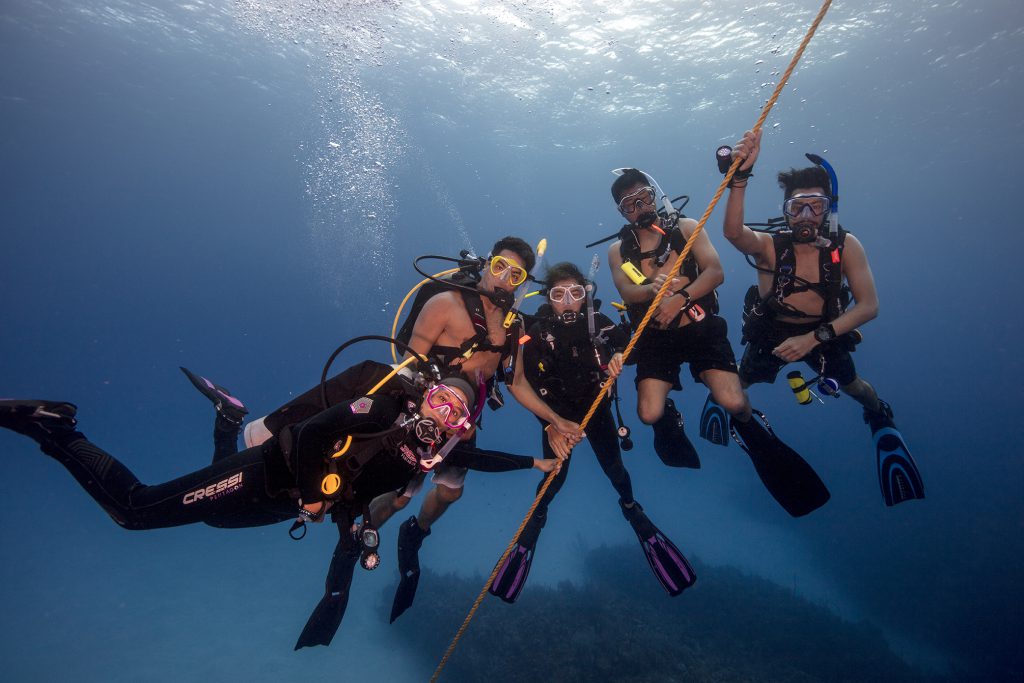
{"x": 239, "y": 187}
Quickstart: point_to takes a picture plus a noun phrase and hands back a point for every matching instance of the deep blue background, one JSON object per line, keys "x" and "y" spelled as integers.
{"x": 238, "y": 188}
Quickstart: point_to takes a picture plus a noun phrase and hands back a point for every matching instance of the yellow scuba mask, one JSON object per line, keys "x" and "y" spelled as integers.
{"x": 504, "y": 269}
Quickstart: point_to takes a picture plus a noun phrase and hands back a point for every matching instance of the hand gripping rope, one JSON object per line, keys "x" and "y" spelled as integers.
{"x": 640, "y": 328}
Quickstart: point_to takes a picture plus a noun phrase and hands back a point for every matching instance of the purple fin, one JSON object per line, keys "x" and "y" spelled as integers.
{"x": 511, "y": 577}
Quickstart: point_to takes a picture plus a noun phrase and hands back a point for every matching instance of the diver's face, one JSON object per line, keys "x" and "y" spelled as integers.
{"x": 447, "y": 411}
{"x": 505, "y": 271}
{"x": 805, "y": 211}
{"x": 563, "y": 296}
{"x": 636, "y": 205}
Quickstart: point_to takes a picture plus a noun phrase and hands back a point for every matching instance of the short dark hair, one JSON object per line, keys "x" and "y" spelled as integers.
{"x": 628, "y": 179}
{"x": 812, "y": 176}
{"x": 518, "y": 247}
{"x": 563, "y": 271}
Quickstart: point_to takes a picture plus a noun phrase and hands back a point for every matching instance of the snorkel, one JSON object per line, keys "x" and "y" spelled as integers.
{"x": 666, "y": 204}
{"x": 833, "y": 213}
{"x": 591, "y": 327}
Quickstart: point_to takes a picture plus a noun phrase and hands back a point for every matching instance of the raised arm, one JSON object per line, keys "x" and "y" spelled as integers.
{"x": 742, "y": 237}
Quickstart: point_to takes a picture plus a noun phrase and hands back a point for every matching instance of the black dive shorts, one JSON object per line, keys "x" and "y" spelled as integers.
{"x": 704, "y": 345}
{"x": 759, "y": 364}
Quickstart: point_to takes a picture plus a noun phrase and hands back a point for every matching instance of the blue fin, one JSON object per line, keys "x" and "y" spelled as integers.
{"x": 897, "y": 472}
{"x": 714, "y": 423}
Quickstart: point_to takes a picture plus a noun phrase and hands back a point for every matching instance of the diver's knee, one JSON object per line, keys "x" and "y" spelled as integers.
{"x": 649, "y": 414}
{"x": 733, "y": 402}
{"x": 399, "y": 502}
{"x": 448, "y": 495}
{"x": 858, "y": 387}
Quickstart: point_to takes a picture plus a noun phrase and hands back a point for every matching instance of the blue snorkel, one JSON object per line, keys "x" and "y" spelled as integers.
{"x": 833, "y": 212}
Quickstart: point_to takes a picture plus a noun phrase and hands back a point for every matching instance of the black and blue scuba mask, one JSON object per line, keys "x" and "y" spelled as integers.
{"x": 806, "y": 215}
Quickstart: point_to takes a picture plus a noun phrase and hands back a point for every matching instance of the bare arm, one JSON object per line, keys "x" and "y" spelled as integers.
{"x": 743, "y": 238}
{"x": 862, "y": 286}
{"x": 710, "y": 266}
{"x": 631, "y": 293}
{"x": 431, "y": 322}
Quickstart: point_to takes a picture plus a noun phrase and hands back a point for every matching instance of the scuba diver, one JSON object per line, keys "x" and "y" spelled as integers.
{"x": 463, "y": 326}
{"x": 686, "y": 329}
{"x": 335, "y": 460}
{"x": 570, "y": 352}
{"x": 798, "y": 310}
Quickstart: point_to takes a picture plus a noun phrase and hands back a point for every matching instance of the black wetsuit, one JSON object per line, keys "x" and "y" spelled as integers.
{"x": 263, "y": 485}
{"x": 561, "y": 365}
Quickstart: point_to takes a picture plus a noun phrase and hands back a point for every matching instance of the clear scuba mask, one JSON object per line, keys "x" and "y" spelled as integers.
{"x": 567, "y": 295}
{"x": 636, "y": 200}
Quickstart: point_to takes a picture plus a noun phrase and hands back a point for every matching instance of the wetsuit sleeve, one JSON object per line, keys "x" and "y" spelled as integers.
{"x": 317, "y": 437}
{"x": 483, "y": 460}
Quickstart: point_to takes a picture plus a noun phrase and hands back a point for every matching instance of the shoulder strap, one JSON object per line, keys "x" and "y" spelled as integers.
{"x": 480, "y": 341}
{"x": 629, "y": 247}
{"x": 831, "y": 274}
{"x": 830, "y": 277}
{"x": 784, "y": 278}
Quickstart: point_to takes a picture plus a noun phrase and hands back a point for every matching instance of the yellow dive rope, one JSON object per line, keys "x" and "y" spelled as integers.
{"x": 640, "y": 328}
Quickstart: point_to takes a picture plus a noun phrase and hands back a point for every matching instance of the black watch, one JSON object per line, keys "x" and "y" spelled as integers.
{"x": 825, "y": 333}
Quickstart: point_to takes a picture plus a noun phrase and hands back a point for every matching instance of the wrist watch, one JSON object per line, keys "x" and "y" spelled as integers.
{"x": 825, "y": 333}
